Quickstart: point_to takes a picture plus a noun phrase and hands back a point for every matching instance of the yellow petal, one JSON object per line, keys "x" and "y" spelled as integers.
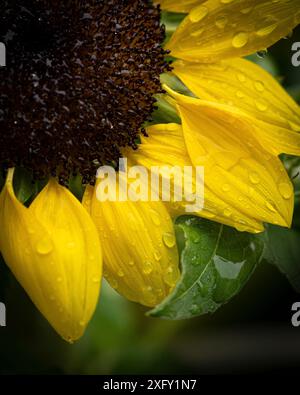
{"x": 221, "y": 29}
{"x": 237, "y": 168}
{"x": 165, "y": 146}
{"x": 178, "y": 6}
{"x": 140, "y": 253}
{"x": 53, "y": 250}
{"x": 243, "y": 84}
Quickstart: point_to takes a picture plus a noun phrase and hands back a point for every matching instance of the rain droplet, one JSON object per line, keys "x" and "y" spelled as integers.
{"x": 259, "y": 86}
{"x": 240, "y": 94}
{"x": 271, "y": 207}
{"x": 157, "y": 255}
{"x": 194, "y": 309}
{"x": 169, "y": 239}
{"x": 196, "y": 238}
{"x": 254, "y": 178}
{"x": 262, "y": 54}
{"x": 227, "y": 212}
{"x": 226, "y": 188}
{"x": 246, "y": 10}
{"x": 221, "y": 21}
{"x": 44, "y": 246}
{"x": 147, "y": 267}
{"x": 240, "y": 40}
{"x": 169, "y": 277}
{"x": 285, "y": 190}
{"x": 261, "y": 106}
{"x": 265, "y": 31}
{"x": 241, "y": 77}
{"x": 198, "y": 13}
{"x": 197, "y": 33}
{"x": 96, "y": 280}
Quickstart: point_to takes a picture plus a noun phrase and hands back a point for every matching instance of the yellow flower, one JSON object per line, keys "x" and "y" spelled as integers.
{"x": 53, "y": 249}
{"x": 235, "y": 126}
{"x": 240, "y": 118}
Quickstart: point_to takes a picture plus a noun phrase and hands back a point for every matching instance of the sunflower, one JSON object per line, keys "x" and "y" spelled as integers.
{"x": 81, "y": 82}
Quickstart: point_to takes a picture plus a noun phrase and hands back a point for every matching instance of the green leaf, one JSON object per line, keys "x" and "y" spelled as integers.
{"x": 76, "y": 186}
{"x": 165, "y": 113}
{"x": 283, "y": 251}
{"x": 216, "y": 263}
{"x": 171, "y": 20}
{"x": 24, "y": 186}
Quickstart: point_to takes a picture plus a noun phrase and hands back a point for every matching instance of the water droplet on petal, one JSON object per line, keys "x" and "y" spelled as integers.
{"x": 259, "y": 86}
{"x": 285, "y": 190}
{"x": 254, "y": 178}
{"x": 169, "y": 239}
{"x": 265, "y": 31}
{"x": 226, "y": 187}
{"x": 240, "y": 94}
{"x": 147, "y": 267}
{"x": 221, "y": 21}
{"x": 246, "y": 11}
{"x": 157, "y": 255}
{"x": 96, "y": 280}
{"x": 261, "y": 106}
{"x": 227, "y": 212}
{"x": 241, "y": 77}
{"x": 240, "y": 40}
{"x": 271, "y": 207}
{"x": 198, "y": 13}
{"x": 44, "y": 246}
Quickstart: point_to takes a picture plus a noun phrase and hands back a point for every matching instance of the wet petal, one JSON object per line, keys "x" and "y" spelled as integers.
{"x": 221, "y": 29}
{"x": 140, "y": 253}
{"x": 54, "y": 251}
{"x": 165, "y": 146}
{"x": 243, "y": 84}
{"x": 178, "y": 6}
{"x": 237, "y": 168}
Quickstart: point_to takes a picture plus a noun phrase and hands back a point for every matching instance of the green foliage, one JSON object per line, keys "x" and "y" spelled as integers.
{"x": 283, "y": 251}
{"x": 216, "y": 263}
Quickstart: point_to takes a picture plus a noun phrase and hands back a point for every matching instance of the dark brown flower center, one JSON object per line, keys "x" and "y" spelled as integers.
{"x": 79, "y": 82}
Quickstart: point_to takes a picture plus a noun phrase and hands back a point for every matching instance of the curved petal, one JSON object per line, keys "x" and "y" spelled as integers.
{"x": 243, "y": 84}
{"x": 237, "y": 168}
{"x": 165, "y": 146}
{"x": 219, "y": 30}
{"x": 140, "y": 254}
{"x": 179, "y": 6}
{"x": 54, "y": 251}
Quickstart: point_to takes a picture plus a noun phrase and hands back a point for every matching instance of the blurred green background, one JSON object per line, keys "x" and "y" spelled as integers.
{"x": 251, "y": 333}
